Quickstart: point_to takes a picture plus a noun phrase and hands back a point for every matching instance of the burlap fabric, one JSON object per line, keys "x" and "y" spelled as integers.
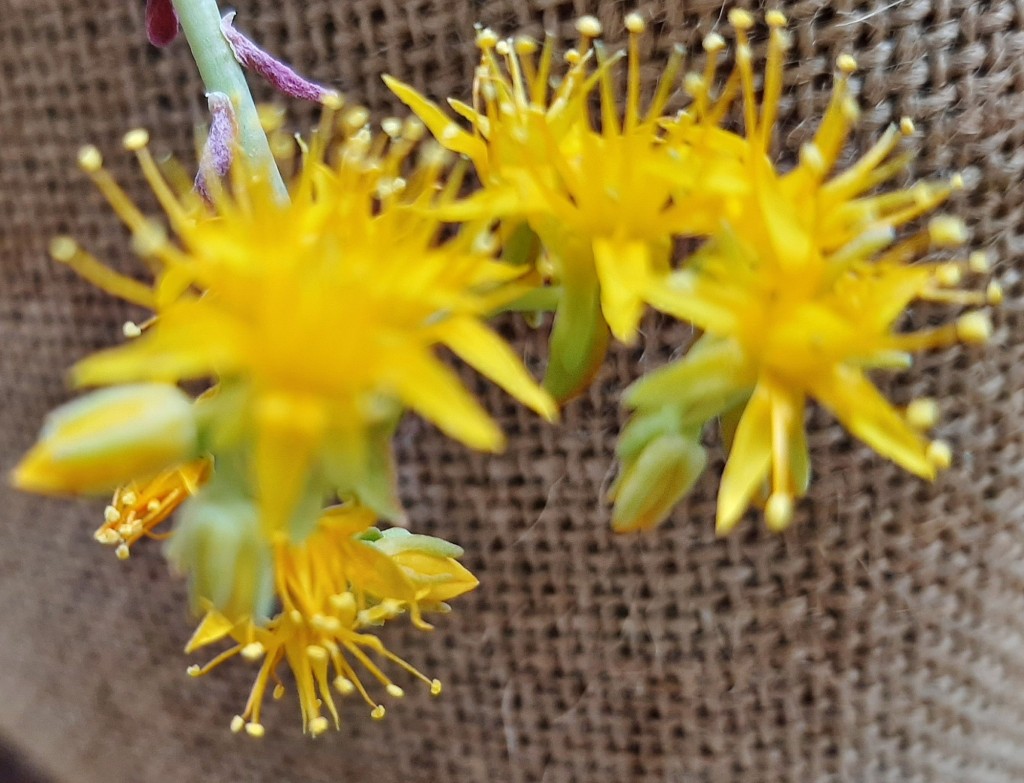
{"x": 879, "y": 640}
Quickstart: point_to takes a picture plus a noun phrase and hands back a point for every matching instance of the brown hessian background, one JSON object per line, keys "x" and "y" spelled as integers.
{"x": 880, "y": 639}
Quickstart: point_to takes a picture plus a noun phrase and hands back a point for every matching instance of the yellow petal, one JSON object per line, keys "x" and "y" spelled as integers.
{"x": 749, "y": 460}
{"x": 867, "y": 414}
{"x": 492, "y": 357}
{"x": 435, "y": 392}
{"x": 445, "y": 130}
{"x": 290, "y": 430}
{"x": 212, "y": 628}
{"x": 624, "y": 269}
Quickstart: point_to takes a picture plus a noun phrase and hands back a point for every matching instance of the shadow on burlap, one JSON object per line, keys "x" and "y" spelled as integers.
{"x": 881, "y": 639}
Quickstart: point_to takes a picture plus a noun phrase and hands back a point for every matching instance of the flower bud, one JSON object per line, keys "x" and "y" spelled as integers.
{"x": 428, "y": 562}
{"x": 110, "y": 437}
{"x": 650, "y": 486}
{"x": 218, "y": 546}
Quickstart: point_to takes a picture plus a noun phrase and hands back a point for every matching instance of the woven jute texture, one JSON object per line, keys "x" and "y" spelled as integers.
{"x": 880, "y": 639}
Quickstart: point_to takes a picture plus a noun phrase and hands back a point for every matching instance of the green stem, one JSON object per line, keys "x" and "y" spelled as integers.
{"x": 200, "y": 20}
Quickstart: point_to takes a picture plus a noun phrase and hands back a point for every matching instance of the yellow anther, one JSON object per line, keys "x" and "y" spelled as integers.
{"x": 90, "y": 159}
{"x": 974, "y": 327}
{"x": 572, "y": 57}
{"x": 344, "y": 685}
{"x": 740, "y": 19}
{"x": 486, "y": 38}
{"x": 778, "y": 513}
{"x": 295, "y": 616}
{"x": 994, "y": 293}
{"x": 503, "y": 48}
{"x": 106, "y": 536}
{"x": 713, "y": 42}
{"x": 122, "y": 552}
{"x": 111, "y": 515}
{"x": 271, "y": 117}
{"x": 378, "y": 712}
{"x": 357, "y": 117}
{"x": 907, "y": 126}
{"x": 948, "y": 275}
{"x": 392, "y": 126}
{"x": 978, "y": 262}
{"x": 278, "y": 692}
{"x": 956, "y": 182}
{"x": 394, "y": 691}
{"x": 131, "y": 329}
{"x": 776, "y": 18}
{"x": 237, "y": 724}
{"x": 939, "y": 454}
{"x": 635, "y": 23}
{"x": 318, "y": 725}
{"x": 194, "y": 670}
{"x": 846, "y": 63}
{"x": 333, "y": 101}
{"x": 129, "y": 498}
{"x": 326, "y": 624}
{"x": 413, "y": 129}
{"x": 63, "y": 249}
{"x": 435, "y": 687}
{"x": 947, "y": 231}
{"x": 153, "y": 505}
{"x": 922, "y": 413}
{"x": 253, "y": 651}
{"x": 811, "y": 157}
{"x": 135, "y": 140}
{"x": 524, "y": 44}
{"x": 694, "y": 85}
{"x": 589, "y": 26}
{"x": 316, "y": 653}
{"x": 255, "y": 730}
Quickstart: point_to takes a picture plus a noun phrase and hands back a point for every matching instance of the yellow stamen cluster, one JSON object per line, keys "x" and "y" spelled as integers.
{"x": 329, "y": 588}
{"x": 138, "y": 508}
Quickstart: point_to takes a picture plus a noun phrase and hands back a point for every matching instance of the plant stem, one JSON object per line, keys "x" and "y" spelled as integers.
{"x": 200, "y": 20}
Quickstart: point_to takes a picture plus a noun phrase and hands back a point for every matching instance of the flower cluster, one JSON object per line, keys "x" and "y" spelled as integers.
{"x": 798, "y": 284}
{"x": 312, "y": 321}
{"x": 315, "y": 322}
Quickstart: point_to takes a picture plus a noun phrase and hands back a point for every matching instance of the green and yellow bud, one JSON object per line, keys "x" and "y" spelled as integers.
{"x": 110, "y": 437}
{"x": 429, "y": 563}
{"x": 219, "y": 546}
{"x": 650, "y": 485}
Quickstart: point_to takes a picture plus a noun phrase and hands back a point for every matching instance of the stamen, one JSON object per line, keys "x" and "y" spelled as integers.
{"x": 378, "y": 712}
{"x": 237, "y": 724}
{"x": 131, "y": 329}
{"x": 255, "y": 730}
{"x": 66, "y": 251}
{"x": 907, "y": 126}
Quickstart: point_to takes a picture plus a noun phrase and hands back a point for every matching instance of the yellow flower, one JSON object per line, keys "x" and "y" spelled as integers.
{"x": 592, "y": 193}
{"x": 330, "y": 588}
{"x": 138, "y": 507}
{"x": 319, "y": 316}
{"x": 800, "y": 294}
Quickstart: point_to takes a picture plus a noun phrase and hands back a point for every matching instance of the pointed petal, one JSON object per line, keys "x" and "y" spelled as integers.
{"x": 492, "y": 357}
{"x": 212, "y": 628}
{"x": 867, "y": 414}
{"x": 624, "y": 269}
{"x": 749, "y": 460}
{"x": 435, "y": 392}
{"x": 445, "y": 130}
